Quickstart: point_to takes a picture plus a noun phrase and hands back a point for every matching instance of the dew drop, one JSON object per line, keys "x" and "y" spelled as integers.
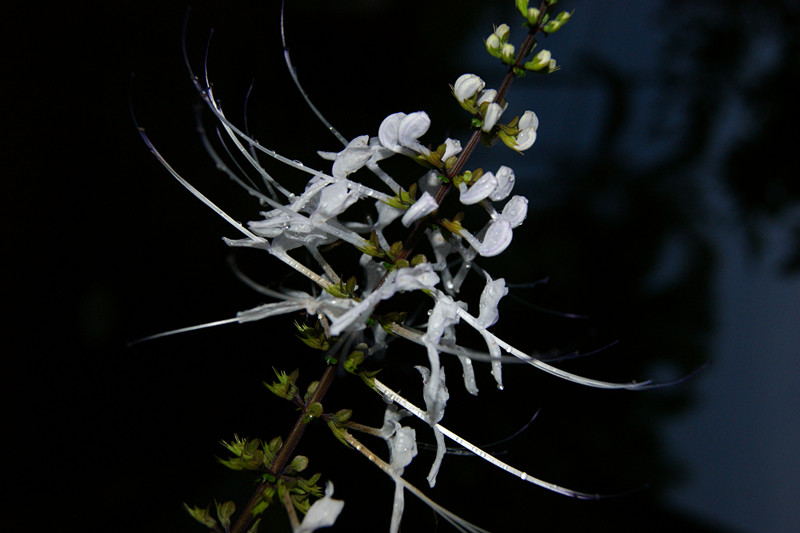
{"x": 524, "y": 477}
{"x": 449, "y": 285}
{"x": 298, "y": 163}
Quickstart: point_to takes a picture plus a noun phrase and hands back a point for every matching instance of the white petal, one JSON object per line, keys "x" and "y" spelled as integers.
{"x": 353, "y": 157}
{"x": 527, "y": 125}
{"x": 333, "y": 200}
{"x": 419, "y": 277}
{"x": 480, "y": 190}
{"x": 528, "y": 120}
{"x": 388, "y": 132}
{"x": 412, "y": 128}
{"x": 497, "y": 239}
{"x": 486, "y": 96}
{"x": 466, "y": 86}
{"x": 505, "y": 182}
{"x": 422, "y": 207}
{"x": 323, "y": 512}
{"x": 525, "y": 139}
{"x": 490, "y": 298}
{"x": 493, "y": 112}
{"x": 452, "y": 147}
{"x": 403, "y": 447}
{"x": 515, "y": 211}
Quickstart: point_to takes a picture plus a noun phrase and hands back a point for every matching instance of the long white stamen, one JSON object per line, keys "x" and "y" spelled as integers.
{"x": 524, "y": 476}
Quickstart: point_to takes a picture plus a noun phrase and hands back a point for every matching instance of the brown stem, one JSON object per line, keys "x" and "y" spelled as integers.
{"x": 286, "y": 451}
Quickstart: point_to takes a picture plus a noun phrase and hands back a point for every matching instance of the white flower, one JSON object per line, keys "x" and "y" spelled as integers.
{"x": 424, "y": 206}
{"x": 527, "y": 125}
{"x": 490, "y": 298}
{"x": 323, "y": 512}
{"x": 399, "y": 132}
{"x": 515, "y": 211}
{"x": 480, "y": 190}
{"x": 467, "y": 86}
{"x": 486, "y": 96}
{"x": 493, "y": 112}
{"x": 452, "y": 147}
{"x": 505, "y": 182}
{"x": 334, "y": 199}
{"x": 353, "y": 157}
{"x": 496, "y": 239}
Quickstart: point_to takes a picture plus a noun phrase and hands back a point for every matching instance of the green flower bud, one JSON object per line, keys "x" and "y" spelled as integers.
{"x": 539, "y": 61}
{"x": 502, "y": 32}
{"x": 493, "y": 45}
{"x": 522, "y": 6}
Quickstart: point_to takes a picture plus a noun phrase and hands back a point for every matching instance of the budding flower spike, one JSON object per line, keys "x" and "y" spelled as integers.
{"x": 430, "y": 256}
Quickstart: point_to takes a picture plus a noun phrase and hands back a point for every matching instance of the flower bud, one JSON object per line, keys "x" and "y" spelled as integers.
{"x": 419, "y": 209}
{"x": 467, "y": 86}
{"x": 507, "y": 53}
{"x": 493, "y": 112}
{"x": 502, "y": 32}
{"x": 539, "y": 61}
{"x": 493, "y": 45}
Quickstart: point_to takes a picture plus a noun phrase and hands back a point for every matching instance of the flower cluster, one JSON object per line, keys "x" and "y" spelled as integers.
{"x": 348, "y": 326}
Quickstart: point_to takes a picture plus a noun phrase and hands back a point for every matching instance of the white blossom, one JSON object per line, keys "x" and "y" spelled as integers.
{"x": 452, "y": 147}
{"x": 527, "y": 126}
{"x": 493, "y": 112}
{"x": 353, "y": 157}
{"x": 505, "y": 183}
{"x": 480, "y": 190}
{"x": 323, "y": 512}
{"x": 425, "y": 205}
{"x": 515, "y": 211}
{"x": 467, "y": 86}
{"x": 399, "y": 132}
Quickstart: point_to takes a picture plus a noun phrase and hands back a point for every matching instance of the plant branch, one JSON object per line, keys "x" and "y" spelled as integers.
{"x": 286, "y": 451}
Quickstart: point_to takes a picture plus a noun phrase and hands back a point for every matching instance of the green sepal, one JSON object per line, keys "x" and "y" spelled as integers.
{"x": 353, "y": 361}
{"x": 264, "y": 501}
{"x": 453, "y": 226}
{"x": 313, "y": 337}
{"x": 372, "y": 247}
{"x": 338, "y": 432}
{"x": 395, "y": 250}
{"x": 313, "y": 412}
{"x": 254, "y": 527}
{"x": 298, "y": 464}
{"x": 418, "y": 260}
{"x": 224, "y": 512}
{"x": 312, "y": 387}
{"x": 201, "y": 515}
{"x": 285, "y": 386}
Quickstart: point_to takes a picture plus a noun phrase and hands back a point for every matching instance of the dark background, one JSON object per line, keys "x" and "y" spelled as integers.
{"x": 664, "y": 207}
